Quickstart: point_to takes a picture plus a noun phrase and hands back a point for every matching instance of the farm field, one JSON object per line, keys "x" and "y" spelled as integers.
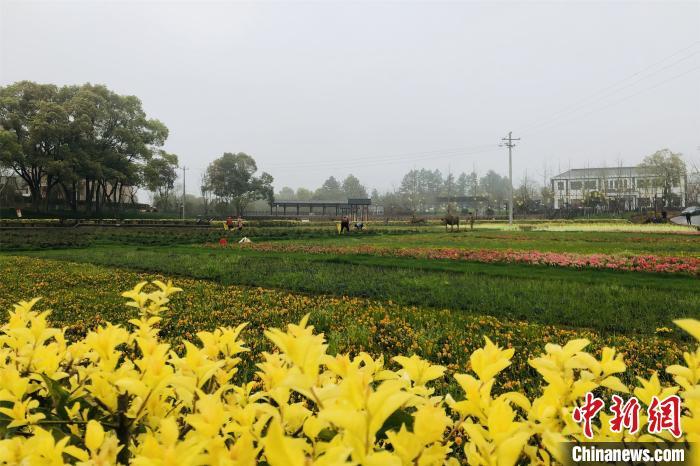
{"x": 581, "y": 242}
{"x": 395, "y": 268}
{"x": 394, "y": 292}
{"x": 609, "y": 300}
{"x": 83, "y": 296}
{"x": 575, "y": 237}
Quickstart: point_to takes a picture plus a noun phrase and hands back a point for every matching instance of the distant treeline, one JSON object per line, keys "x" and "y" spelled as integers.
{"x": 420, "y": 188}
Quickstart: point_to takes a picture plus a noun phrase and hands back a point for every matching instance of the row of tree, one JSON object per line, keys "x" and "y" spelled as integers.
{"x": 81, "y": 144}
{"x": 330, "y": 190}
{"x": 89, "y": 147}
{"x": 418, "y": 189}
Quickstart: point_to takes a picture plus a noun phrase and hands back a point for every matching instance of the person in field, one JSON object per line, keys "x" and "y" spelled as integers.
{"x": 471, "y": 221}
{"x": 687, "y": 218}
{"x": 345, "y": 224}
{"x": 229, "y": 223}
{"x": 240, "y": 223}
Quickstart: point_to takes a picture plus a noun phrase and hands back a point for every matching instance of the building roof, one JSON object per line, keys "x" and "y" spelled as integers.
{"x": 359, "y": 201}
{"x": 317, "y": 203}
{"x": 605, "y": 172}
{"x": 461, "y": 199}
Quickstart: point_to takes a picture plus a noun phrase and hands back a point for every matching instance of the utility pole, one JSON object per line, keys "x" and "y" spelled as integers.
{"x": 508, "y": 142}
{"x": 184, "y": 169}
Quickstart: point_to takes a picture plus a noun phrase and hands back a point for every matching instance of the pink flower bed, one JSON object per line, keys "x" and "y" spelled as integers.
{"x": 646, "y": 263}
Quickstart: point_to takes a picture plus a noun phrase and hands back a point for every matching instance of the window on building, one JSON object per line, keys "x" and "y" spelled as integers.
{"x": 590, "y": 184}
{"x": 560, "y": 186}
{"x": 576, "y": 185}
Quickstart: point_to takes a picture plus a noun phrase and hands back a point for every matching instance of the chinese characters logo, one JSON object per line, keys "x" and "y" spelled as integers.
{"x": 663, "y": 415}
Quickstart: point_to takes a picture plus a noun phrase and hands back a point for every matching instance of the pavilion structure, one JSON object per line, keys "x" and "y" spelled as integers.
{"x": 357, "y": 209}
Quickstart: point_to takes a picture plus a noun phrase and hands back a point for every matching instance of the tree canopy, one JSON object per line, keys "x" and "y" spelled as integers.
{"x": 79, "y": 139}
{"x": 353, "y": 189}
{"x": 231, "y": 178}
{"x": 159, "y": 177}
{"x": 670, "y": 168}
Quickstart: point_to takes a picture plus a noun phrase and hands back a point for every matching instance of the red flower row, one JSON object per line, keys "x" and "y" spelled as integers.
{"x": 645, "y": 263}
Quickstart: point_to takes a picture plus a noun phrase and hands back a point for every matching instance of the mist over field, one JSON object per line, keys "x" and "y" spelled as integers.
{"x": 375, "y": 89}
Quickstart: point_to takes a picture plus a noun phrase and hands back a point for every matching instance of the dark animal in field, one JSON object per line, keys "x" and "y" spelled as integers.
{"x": 418, "y": 220}
{"x": 451, "y": 220}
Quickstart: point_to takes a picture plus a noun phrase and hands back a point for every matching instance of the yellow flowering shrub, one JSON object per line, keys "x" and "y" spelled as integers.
{"x": 123, "y": 396}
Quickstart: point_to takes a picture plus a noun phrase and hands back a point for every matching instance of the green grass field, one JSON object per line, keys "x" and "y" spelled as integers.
{"x": 438, "y": 308}
{"x": 83, "y": 296}
{"x": 582, "y": 242}
{"x": 584, "y": 238}
{"x": 605, "y": 300}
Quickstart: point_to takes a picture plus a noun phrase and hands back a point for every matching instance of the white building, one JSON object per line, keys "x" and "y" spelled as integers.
{"x": 623, "y": 187}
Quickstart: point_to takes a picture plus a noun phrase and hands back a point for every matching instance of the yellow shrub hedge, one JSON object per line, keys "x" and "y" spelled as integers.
{"x": 125, "y": 397}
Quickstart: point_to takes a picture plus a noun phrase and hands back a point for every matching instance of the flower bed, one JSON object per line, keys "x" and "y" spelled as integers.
{"x": 641, "y": 263}
{"x": 84, "y": 296}
{"x": 123, "y": 396}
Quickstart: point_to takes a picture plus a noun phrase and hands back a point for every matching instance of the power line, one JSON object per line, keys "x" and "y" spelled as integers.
{"x": 627, "y": 97}
{"x": 388, "y": 158}
{"x": 376, "y": 160}
{"x": 617, "y": 86}
{"x": 483, "y": 150}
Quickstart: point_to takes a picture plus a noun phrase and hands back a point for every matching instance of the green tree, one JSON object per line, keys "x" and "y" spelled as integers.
{"x": 159, "y": 175}
{"x": 449, "y": 187}
{"x": 411, "y": 191}
{"x": 671, "y": 169}
{"x": 352, "y": 188}
{"x": 330, "y": 190}
{"x": 76, "y": 137}
{"x": 525, "y": 195}
{"x": 232, "y": 178}
{"x": 32, "y": 129}
{"x": 286, "y": 194}
{"x": 462, "y": 184}
{"x": 304, "y": 194}
{"x": 419, "y": 188}
{"x": 495, "y": 187}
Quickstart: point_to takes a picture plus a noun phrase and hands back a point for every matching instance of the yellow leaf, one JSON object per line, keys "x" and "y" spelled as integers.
{"x": 281, "y": 450}
{"x": 691, "y": 326}
{"x": 94, "y": 435}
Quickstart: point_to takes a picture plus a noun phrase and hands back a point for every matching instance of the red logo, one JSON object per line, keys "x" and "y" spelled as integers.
{"x": 626, "y": 415}
{"x": 586, "y": 413}
{"x": 663, "y": 414}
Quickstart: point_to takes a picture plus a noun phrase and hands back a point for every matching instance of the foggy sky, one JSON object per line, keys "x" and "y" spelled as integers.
{"x": 375, "y": 89}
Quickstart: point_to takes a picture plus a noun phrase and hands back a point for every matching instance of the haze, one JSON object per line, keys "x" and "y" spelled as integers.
{"x": 375, "y": 89}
